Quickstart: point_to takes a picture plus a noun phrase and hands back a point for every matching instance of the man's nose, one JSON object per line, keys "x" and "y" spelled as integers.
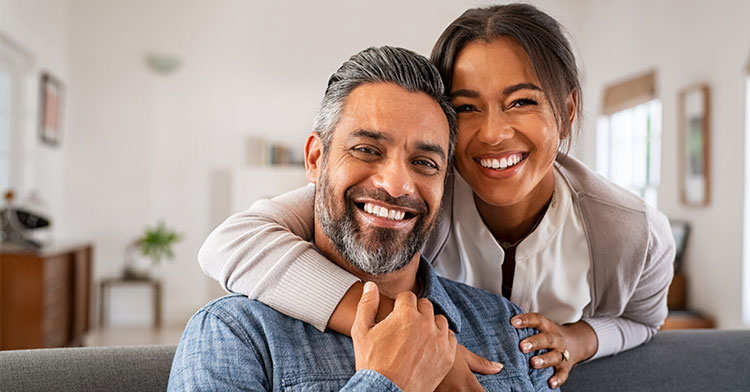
{"x": 395, "y": 178}
{"x": 495, "y": 127}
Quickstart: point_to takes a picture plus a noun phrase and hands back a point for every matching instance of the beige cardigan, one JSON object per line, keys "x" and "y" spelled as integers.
{"x": 262, "y": 253}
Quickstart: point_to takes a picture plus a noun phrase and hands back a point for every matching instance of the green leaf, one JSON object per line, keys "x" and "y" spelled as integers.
{"x": 157, "y": 241}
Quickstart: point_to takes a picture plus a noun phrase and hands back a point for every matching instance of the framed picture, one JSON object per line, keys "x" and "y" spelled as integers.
{"x": 50, "y": 109}
{"x": 695, "y": 136}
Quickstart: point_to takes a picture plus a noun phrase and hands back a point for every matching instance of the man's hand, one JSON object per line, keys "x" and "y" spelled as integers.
{"x": 567, "y": 344}
{"x": 411, "y": 347}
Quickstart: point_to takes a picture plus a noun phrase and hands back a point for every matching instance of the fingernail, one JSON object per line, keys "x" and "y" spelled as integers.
{"x": 516, "y": 322}
{"x": 538, "y": 362}
{"x": 369, "y": 286}
{"x": 526, "y": 347}
{"x": 497, "y": 365}
{"x": 554, "y": 383}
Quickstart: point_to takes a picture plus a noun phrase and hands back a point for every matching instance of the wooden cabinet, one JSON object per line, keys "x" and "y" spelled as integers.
{"x": 45, "y": 296}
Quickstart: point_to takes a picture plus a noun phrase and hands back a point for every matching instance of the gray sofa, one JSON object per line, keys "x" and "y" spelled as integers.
{"x": 703, "y": 360}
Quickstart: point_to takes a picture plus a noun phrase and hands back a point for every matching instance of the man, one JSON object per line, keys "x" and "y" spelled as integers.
{"x": 379, "y": 155}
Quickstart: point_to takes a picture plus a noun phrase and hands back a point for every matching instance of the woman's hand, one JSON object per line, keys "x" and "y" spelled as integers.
{"x": 461, "y": 378}
{"x": 567, "y": 344}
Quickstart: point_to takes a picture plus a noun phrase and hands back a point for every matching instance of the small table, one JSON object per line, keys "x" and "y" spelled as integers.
{"x": 106, "y": 284}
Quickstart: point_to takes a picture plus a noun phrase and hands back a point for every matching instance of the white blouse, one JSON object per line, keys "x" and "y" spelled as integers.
{"x": 552, "y": 263}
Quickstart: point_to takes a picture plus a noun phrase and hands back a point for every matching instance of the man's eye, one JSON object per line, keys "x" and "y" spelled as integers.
{"x": 464, "y": 108}
{"x": 425, "y": 163}
{"x": 365, "y": 150}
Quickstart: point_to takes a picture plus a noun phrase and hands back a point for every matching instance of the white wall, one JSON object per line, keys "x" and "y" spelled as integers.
{"x": 39, "y": 28}
{"x": 687, "y": 42}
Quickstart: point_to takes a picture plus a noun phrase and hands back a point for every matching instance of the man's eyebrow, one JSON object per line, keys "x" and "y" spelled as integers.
{"x": 430, "y": 147}
{"x": 375, "y": 135}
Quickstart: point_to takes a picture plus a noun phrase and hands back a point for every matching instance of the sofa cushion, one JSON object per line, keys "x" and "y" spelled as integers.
{"x": 127, "y": 368}
{"x": 692, "y": 360}
{"x": 689, "y": 360}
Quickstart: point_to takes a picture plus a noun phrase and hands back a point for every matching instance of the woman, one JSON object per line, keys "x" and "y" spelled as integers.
{"x": 591, "y": 260}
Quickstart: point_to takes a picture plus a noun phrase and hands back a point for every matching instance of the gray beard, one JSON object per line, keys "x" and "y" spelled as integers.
{"x": 380, "y": 254}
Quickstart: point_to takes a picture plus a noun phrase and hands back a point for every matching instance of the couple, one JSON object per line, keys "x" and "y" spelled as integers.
{"x": 591, "y": 259}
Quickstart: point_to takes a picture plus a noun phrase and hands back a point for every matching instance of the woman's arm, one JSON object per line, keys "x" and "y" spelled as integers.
{"x": 265, "y": 253}
{"x": 646, "y": 309}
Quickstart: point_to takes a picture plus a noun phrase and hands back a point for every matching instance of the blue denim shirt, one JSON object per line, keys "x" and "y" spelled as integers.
{"x": 237, "y": 344}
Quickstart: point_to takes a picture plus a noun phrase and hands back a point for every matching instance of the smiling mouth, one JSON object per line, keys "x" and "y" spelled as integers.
{"x": 380, "y": 211}
{"x": 502, "y": 163}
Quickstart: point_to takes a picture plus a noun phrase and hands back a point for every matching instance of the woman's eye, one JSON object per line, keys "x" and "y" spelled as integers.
{"x": 523, "y": 102}
{"x": 464, "y": 108}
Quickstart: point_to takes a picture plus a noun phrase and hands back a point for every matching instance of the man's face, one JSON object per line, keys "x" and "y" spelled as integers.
{"x": 380, "y": 185}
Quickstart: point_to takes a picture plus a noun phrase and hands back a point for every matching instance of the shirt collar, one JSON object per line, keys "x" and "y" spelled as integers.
{"x": 434, "y": 291}
{"x": 481, "y": 239}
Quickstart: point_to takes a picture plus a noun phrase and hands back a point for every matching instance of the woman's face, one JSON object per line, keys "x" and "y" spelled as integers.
{"x": 507, "y": 133}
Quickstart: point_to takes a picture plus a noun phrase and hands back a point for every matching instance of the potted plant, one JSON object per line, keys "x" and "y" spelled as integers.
{"x": 148, "y": 250}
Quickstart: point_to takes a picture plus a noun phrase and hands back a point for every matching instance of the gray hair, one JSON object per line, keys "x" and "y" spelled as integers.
{"x": 385, "y": 64}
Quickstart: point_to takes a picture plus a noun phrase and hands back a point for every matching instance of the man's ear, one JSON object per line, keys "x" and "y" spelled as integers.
{"x": 313, "y": 157}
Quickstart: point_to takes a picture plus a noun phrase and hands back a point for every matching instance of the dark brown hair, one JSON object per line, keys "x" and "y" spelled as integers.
{"x": 542, "y": 38}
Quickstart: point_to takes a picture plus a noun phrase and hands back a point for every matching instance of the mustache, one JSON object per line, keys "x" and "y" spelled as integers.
{"x": 417, "y": 204}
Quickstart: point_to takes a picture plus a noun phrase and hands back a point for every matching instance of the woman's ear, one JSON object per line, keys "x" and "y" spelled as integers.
{"x": 313, "y": 157}
{"x": 571, "y": 103}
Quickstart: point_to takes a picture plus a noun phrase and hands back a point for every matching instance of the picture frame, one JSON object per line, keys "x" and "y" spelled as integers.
{"x": 50, "y": 109}
{"x": 694, "y": 145}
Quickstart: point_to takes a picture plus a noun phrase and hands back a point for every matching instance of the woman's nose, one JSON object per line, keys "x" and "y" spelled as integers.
{"x": 495, "y": 128}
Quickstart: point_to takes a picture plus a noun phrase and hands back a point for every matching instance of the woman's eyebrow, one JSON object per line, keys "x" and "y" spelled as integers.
{"x": 464, "y": 93}
{"x": 507, "y": 91}
{"x": 520, "y": 86}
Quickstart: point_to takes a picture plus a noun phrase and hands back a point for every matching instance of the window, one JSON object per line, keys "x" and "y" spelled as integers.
{"x": 628, "y": 138}
{"x": 4, "y": 129}
{"x": 746, "y": 245}
{"x": 14, "y": 71}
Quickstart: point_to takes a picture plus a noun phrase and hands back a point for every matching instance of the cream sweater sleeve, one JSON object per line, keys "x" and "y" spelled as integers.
{"x": 646, "y": 308}
{"x": 265, "y": 253}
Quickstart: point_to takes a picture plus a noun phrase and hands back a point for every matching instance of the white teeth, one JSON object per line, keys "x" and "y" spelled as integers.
{"x": 501, "y": 164}
{"x": 384, "y": 212}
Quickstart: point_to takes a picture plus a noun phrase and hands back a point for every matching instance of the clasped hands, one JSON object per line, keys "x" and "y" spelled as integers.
{"x": 412, "y": 334}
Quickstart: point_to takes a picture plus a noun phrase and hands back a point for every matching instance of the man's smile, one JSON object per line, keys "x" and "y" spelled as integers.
{"x": 381, "y": 214}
